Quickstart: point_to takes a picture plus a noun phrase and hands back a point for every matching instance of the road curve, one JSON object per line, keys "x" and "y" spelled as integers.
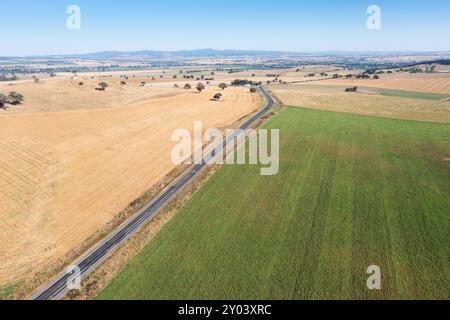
{"x": 57, "y": 288}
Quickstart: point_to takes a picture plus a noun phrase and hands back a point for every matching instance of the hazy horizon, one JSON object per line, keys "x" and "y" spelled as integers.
{"x": 305, "y": 52}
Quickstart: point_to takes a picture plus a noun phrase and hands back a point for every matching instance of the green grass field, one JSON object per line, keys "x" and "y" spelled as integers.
{"x": 412, "y": 94}
{"x": 352, "y": 191}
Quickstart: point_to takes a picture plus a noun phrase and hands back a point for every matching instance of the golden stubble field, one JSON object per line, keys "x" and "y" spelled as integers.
{"x": 72, "y": 158}
{"x": 434, "y": 83}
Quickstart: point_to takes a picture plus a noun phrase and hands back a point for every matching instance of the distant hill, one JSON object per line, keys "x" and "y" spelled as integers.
{"x": 207, "y": 53}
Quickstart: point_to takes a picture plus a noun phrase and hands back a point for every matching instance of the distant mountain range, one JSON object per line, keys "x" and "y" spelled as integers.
{"x": 207, "y": 53}
{"x": 213, "y": 53}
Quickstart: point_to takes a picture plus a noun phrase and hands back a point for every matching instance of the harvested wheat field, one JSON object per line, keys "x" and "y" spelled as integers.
{"x": 67, "y": 173}
{"x": 423, "y": 83}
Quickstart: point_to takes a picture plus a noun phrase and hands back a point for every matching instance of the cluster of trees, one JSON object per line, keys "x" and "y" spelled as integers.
{"x": 277, "y": 81}
{"x": 202, "y": 77}
{"x": 239, "y": 82}
{"x": 428, "y": 69}
{"x": 363, "y": 76}
{"x": 4, "y": 77}
{"x": 352, "y": 89}
{"x": 200, "y": 86}
{"x": 13, "y": 98}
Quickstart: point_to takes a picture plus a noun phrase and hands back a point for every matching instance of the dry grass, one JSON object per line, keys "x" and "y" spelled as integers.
{"x": 435, "y": 83}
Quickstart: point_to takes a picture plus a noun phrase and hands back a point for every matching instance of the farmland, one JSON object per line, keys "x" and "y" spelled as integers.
{"x": 352, "y": 191}
{"x": 431, "y": 83}
{"x": 72, "y": 158}
{"x": 370, "y": 101}
{"x": 413, "y": 94}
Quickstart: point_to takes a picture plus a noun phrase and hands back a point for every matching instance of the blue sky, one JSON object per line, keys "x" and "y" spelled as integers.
{"x": 39, "y": 27}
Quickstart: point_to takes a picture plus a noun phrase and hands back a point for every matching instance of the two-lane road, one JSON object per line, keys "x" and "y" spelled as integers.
{"x": 57, "y": 288}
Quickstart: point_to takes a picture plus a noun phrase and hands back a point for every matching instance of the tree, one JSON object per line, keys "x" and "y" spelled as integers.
{"x": 217, "y": 96}
{"x": 14, "y": 98}
{"x": 142, "y": 84}
{"x": 3, "y": 101}
{"x": 200, "y": 87}
{"x": 253, "y": 90}
{"x": 123, "y": 83}
{"x": 187, "y": 86}
{"x": 103, "y": 86}
{"x": 80, "y": 83}
{"x": 175, "y": 86}
{"x": 223, "y": 86}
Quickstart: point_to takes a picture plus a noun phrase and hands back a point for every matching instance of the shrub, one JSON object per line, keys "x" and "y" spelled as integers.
{"x": 217, "y": 96}
{"x": 200, "y": 87}
{"x": 14, "y": 98}
{"x": 102, "y": 86}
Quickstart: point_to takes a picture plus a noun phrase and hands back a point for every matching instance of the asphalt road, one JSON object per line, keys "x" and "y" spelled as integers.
{"x": 57, "y": 288}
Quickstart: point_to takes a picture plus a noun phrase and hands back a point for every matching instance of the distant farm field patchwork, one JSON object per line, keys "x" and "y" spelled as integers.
{"x": 352, "y": 191}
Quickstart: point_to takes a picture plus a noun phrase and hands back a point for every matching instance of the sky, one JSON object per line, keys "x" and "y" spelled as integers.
{"x": 30, "y": 27}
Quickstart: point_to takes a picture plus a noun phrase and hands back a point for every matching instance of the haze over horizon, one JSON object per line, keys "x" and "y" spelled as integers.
{"x": 39, "y": 28}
